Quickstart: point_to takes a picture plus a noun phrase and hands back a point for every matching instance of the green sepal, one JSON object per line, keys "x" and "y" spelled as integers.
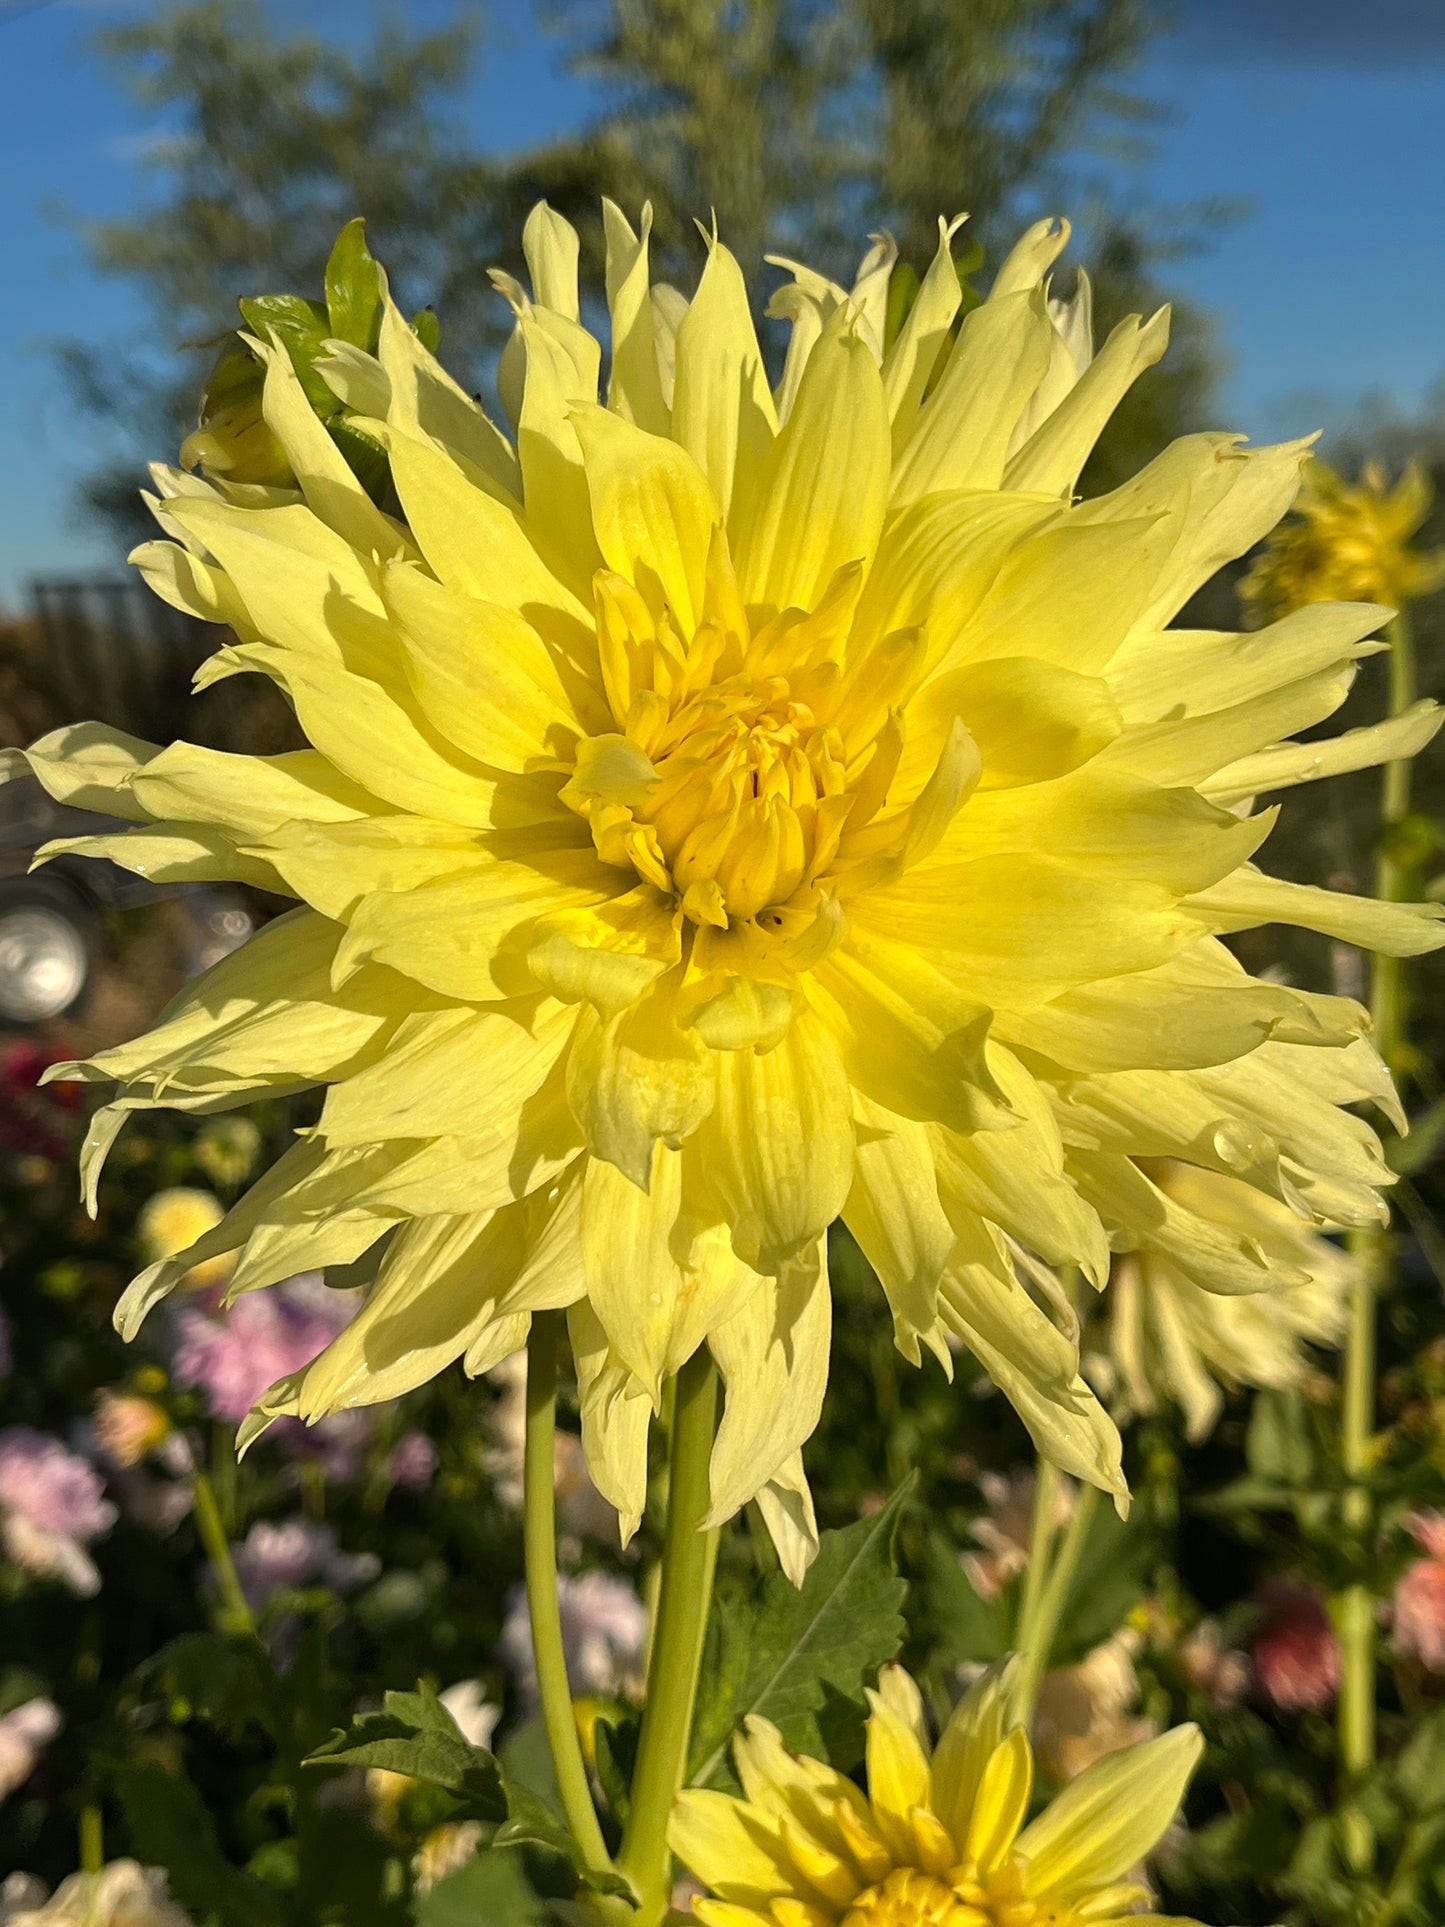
{"x": 302, "y": 328}
{"x": 366, "y": 458}
{"x": 427, "y": 327}
{"x": 353, "y": 289}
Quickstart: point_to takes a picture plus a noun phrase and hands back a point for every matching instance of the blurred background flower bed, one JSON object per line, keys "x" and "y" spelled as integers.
{"x": 179, "y": 1631}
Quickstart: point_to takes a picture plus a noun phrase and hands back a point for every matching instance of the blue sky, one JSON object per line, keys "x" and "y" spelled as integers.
{"x": 1323, "y": 116}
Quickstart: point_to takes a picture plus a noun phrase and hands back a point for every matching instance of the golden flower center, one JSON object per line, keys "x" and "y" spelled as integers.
{"x": 908, "y": 1898}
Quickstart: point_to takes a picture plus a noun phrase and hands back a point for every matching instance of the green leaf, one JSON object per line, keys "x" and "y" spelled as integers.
{"x": 416, "y": 1735}
{"x": 170, "y": 1827}
{"x": 779, "y": 1653}
{"x": 531, "y": 1822}
{"x": 226, "y": 1681}
{"x": 1111, "y": 1578}
{"x": 1420, "y": 1767}
{"x": 968, "y": 1626}
{"x": 353, "y": 289}
{"x": 489, "y": 1888}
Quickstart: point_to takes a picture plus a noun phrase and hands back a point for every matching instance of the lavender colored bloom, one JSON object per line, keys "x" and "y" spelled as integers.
{"x": 266, "y": 1335}
{"x": 413, "y": 1461}
{"x": 24, "y": 1731}
{"x": 286, "y": 1554}
{"x": 51, "y": 1506}
{"x": 604, "y": 1634}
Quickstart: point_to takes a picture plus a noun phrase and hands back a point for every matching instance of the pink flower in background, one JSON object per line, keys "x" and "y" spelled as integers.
{"x": 51, "y": 1506}
{"x": 287, "y": 1554}
{"x": 267, "y": 1334}
{"x": 413, "y": 1462}
{"x": 1296, "y": 1655}
{"x": 24, "y": 1732}
{"x": 1419, "y": 1603}
{"x": 604, "y": 1632}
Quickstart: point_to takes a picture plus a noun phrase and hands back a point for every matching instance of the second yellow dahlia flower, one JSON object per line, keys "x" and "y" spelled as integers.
{"x": 731, "y": 807}
{"x": 939, "y": 1839}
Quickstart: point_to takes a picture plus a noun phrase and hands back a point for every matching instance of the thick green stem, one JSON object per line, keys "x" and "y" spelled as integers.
{"x": 688, "y": 1558}
{"x": 1038, "y": 1631}
{"x": 539, "y": 1533}
{"x": 1375, "y": 1251}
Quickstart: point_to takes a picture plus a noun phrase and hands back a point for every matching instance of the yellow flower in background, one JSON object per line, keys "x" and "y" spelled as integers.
{"x": 1348, "y": 542}
{"x": 175, "y": 1220}
{"x": 1171, "y": 1339}
{"x": 731, "y": 808}
{"x": 936, "y": 1841}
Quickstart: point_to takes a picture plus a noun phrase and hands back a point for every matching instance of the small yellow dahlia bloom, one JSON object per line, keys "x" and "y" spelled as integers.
{"x": 731, "y": 807}
{"x": 1172, "y": 1339}
{"x": 1348, "y": 542}
{"x": 936, "y": 1841}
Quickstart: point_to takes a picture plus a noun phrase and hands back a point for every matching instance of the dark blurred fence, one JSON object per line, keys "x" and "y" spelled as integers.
{"x": 114, "y": 651}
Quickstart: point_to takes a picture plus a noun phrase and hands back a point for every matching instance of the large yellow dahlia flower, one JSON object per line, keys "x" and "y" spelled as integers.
{"x": 936, "y": 1841}
{"x": 731, "y": 808}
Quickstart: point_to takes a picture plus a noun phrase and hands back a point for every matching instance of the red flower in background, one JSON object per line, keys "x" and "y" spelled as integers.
{"x": 1296, "y": 1655}
{"x": 35, "y": 1122}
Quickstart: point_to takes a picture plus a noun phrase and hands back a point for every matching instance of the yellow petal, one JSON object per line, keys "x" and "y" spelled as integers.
{"x": 634, "y": 388}
{"x": 1051, "y": 459}
{"x": 1109, "y": 1818}
{"x": 815, "y": 501}
{"x": 777, "y": 1149}
{"x": 894, "y": 1213}
{"x": 722, "y": 409}
{"x": 975, "y": 1729}
{"x": 964, "y": 430}
{"x": 652, "y": 511}
{"x": 771, "y": 1346}
{"x": 1001, "y": 1801}
{"x": 481, "y": 674}
{"x": 616, "y": 1414}
{"x": 898, "y": 1776}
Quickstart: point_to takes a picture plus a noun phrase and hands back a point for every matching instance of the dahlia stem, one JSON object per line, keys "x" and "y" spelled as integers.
{"x": 1037, "y": 1634}
{"x": 539, "y": 1533}
{"x": 1374, "y": 1249}
{"x": 689, "y": 1556}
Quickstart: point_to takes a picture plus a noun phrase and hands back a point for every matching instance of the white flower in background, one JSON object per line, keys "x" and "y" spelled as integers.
{"x": 444, "y": 1850}
{"x": 1222, "y": 1672}
{"x": 24, "y": 1732}
{"x": 1085, "y": 1710}
{"x": 1171, "y": 1339}
{"x": 124, "y": 1894}
{"x": 604, "y": 1632}
{"x": 1001, "y": 1533}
